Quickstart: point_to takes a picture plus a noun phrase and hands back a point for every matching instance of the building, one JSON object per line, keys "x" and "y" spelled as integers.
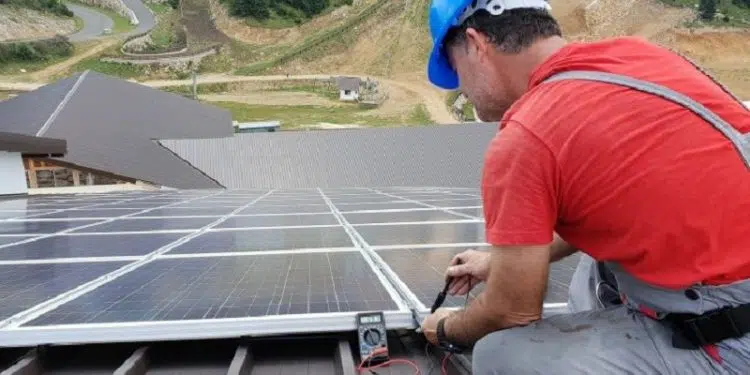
{"x": 349, "y": 88}
{"x": 13, "y": 149}
{"x": 256, "y": 127}
{"x": 110, "y": 126}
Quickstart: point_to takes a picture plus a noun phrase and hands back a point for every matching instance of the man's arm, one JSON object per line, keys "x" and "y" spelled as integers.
{"x": 513, "y": 295}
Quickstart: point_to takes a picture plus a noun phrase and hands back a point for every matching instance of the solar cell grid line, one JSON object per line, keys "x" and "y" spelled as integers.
{"x": 87, "y": 225}
{"x": 42, "y": 308}
{"x": 362, "y": 245}
{"x": 88, "y": 206}
{"x": 428, "y": 205}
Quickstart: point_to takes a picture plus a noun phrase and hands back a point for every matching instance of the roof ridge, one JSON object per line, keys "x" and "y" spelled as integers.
{"x": 45, "y": 127}
{"x": 158, "y": 142}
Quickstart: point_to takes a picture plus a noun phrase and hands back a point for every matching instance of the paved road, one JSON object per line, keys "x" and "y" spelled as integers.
{"x": 145, "y": 17}
{"x": 94, "y": 23}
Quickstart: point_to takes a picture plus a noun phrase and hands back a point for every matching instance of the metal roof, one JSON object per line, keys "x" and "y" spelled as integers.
{"x": 348, "y": 83}
{"x": 449, "y": 155}
{"x": 27, "y": 144}
{"x": 110, "y": 125}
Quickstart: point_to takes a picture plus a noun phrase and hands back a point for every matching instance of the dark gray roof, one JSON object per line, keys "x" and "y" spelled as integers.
{"x": 26, "y": 113}
{"x": 110, "y": 125}
{"x": 446, "y": 155}
{"x": 348, "y": 83}
{"x": 31, "y": 145}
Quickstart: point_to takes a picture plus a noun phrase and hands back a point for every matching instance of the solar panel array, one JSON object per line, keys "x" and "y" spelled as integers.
{"x": 70, "y": 263}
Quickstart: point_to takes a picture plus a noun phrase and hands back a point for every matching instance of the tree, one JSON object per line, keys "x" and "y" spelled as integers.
{"x": 707, "y": 9}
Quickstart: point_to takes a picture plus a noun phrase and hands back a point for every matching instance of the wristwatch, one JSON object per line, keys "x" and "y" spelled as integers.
{"x": 443, "y": 340}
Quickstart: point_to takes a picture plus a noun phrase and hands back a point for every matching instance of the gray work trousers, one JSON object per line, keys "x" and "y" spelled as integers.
{"x": 602, "y": 340}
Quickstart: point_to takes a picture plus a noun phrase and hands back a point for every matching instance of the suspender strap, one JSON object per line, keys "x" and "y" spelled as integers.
{"x": 740, "y": 141}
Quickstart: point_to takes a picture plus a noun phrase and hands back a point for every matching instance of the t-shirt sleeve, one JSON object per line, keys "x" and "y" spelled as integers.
{"x": 519, "y": 189}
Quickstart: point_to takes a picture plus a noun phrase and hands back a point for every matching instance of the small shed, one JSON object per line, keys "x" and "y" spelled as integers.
{"x": 255, "y": 127}
{"x": 348, "y": 88}
{"x": 12, "y": 149}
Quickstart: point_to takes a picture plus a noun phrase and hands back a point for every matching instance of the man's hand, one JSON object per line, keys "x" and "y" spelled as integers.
{"x": 468, "y": 269}
{"x": 429, "y": 324}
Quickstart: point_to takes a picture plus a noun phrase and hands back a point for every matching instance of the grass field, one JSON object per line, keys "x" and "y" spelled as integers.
{"x": 118, "y": 70}
{"x": 294, "y": 117}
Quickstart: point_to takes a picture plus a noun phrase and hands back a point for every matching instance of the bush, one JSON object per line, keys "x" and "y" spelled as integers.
{"x": 52, "y": 6}
{"x": 35, "y": 51}
{"x": 707, "y": 9}
{"x": 262, "y": 9}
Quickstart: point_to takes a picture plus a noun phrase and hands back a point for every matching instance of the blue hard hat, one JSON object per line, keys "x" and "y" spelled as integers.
{"x": 443, "y": 16}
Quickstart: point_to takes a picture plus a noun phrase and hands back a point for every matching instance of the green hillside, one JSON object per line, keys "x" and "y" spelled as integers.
{"x": 52, "y": 6}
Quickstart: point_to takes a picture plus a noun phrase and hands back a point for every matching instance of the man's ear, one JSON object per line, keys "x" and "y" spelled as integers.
{"x": 477, "y": 42}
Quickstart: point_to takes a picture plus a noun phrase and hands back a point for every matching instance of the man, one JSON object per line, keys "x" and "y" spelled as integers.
{"x": 617, "y": 165}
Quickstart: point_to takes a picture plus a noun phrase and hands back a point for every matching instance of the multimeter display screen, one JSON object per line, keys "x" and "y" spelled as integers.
{"x": 369, "y": 319}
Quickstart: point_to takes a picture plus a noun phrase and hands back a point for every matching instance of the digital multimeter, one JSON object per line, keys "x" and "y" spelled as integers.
{"x": 372, "y": 335}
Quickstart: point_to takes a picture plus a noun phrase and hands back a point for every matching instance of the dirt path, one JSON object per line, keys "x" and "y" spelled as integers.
{"x": 46, "y": 73}
{"x": 272, "y": 98}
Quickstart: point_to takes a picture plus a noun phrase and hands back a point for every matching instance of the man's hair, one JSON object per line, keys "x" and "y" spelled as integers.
{"x": 512, "y": 31}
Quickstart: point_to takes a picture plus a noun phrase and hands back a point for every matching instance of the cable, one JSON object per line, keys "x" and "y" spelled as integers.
{"x": 417, "y": 371}
{"x": 444, "y": 367}
{"x": 376, "y": 352}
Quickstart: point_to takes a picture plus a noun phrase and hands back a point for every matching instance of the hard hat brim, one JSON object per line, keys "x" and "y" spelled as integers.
{"x": 439, "y": 70}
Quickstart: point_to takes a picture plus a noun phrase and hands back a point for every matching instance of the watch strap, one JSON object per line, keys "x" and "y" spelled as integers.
{"x": 443, "y": 340}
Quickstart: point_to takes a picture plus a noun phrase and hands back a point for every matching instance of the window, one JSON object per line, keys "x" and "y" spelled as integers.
{"x": 347, "y": 92}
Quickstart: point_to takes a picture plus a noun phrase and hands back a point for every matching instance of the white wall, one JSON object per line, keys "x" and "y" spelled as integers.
{"x": 12, "y": 174}
{"x": 353, "y": 95}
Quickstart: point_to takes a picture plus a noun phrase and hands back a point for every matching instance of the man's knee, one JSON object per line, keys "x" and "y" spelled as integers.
{"x": 502, "y": 352}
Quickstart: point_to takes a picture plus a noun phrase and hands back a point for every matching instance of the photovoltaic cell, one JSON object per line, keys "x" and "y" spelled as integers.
{"x": 258, "y": 210}
{"x": 89, "y": 246}
{"x": 8, "y": 240}
{"x": 92, "y": 213}
{"x": 376, "y": 206}
{"x": 136, "y": 225}
{"x": 455, "y": 203}
{"x": 40, "y": 227}
{"x": 266, "y": 239}
{"x": 181, "y": 211}
{"x": 423, "y": 271}
{"x": 386, "y": 235}
{"x": 476, "y": 212}
{"x": 230, "y": 287}
{"x": 18, "y": 214}
{"x": 278, "y": 221}
{"x": 25, "y": 285}
{"x": 403, "y": 216}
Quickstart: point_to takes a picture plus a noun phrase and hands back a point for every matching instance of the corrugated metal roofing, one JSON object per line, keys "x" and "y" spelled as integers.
{"x": 450, "y": 155}
{"x": 111, "y": 125}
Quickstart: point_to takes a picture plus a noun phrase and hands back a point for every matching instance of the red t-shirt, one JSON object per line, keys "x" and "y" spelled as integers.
{"x": 623, "y": 175}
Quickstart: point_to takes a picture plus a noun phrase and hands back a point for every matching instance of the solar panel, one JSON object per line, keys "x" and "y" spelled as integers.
{"x": 266, "y": 239}
{"x": 279, "y": 221}
{"x": 423, "y": 271}
{"x": 40, "y": 227}
{"x": 348, "y": 207}
{"x": 417, "y": 234}
{"x": 25, "y": 285}
{"x": 78, "y": 246}
{"x": 274, "y": 209}
{"x": 144, "y": 224}
{"x": 205, "y": 264}
{"x": 88, "y": 213}
{"x": 400, "y": 216}
{"x": 230, "y": 287}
